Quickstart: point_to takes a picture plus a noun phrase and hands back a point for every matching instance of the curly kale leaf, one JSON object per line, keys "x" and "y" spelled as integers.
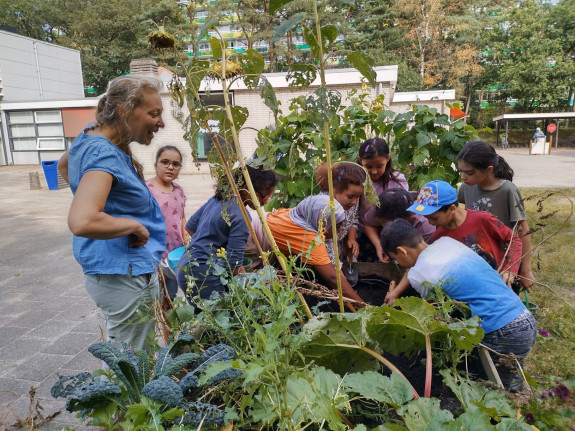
{"x": 166, "y": 365}
{"x": 67, "y": 385}
{"x": 182, "y": 341}
{"x": 219, "y": 353}
{"x": 143, "y": 369}
{"x": 165, "y": 390}
{"x": 129, "y": 352}
{"x": 121, "y": 365}
{"x": 230, "y": 373}
{"x": 189, "y": 381}
{"x": 196, "y": 412}
{"x": 97, "y": 394}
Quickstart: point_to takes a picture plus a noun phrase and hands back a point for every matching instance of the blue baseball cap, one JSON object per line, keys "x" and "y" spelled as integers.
{"x": 433, "y": 196}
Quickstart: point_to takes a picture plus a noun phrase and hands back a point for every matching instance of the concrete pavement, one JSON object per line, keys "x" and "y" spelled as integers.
{"x": 47, "y": 320}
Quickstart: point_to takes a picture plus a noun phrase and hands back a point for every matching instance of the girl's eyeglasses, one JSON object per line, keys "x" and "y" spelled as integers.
{"x": 167, "y": 163}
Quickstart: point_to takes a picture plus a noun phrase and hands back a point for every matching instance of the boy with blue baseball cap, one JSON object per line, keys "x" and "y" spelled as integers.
{"x": 479, "y": 230}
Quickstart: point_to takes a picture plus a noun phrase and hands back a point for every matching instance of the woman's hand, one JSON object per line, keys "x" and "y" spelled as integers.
{"x": 139, "y": 237}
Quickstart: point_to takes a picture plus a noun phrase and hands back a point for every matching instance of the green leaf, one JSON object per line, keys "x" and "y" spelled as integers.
{"x": 309, "y": 35}
{"x": 390, "y": 427}
{"x": 420, "y": 157}
{"x": 143, "y": 369}
{"x": 186, "y": 313}
{"x": 213, "y": 370}
{"x": 112, "y": 356}
{"x": 173, "y": 413}
{"x": 425, "y": 414}
{"x": 364, "y": 64}
{"x": 130, "y": 371}
{"x": 205, "y": 28}
{"x": 403, "y": 331}
{"x": 474, "y": 396}
{"x": 422, "y": 139}
{"x": 301, "y": 75}
{"x": 252, "y": 65}
{"x": 394, "y": 391}
{"x": 470, "y": 421}
{"x": 268, "y": 95}
{"x": 179, "y": 362}
{"x": 508, "y": 424}
{"x": 216, "y": 45}
{"x": 328, "y": 35}
{"x": 182, "y": 341}
{"x": 286, "y": 26}
{"x": 335, "y": 341}
{"x": 95, "y": 395}
{"x": 276, "y": 4}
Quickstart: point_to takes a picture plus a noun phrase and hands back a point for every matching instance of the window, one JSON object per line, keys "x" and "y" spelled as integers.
{"x": 36, "y": 130}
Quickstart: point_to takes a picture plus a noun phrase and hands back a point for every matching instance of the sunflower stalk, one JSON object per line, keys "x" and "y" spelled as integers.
{"x": 227, "y": 169}
{"x": 252, "y": 191}
{"x": 321, "y": 61}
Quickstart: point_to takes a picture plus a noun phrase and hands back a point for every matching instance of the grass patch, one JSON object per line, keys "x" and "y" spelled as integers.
{"x": 553, "y": 267}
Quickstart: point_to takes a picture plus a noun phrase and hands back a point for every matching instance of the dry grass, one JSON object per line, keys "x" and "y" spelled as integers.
{"x": 555, "y": 273}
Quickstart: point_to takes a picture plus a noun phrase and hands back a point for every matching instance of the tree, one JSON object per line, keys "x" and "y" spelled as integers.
{"x": 525, "y": 62}
{"x": 108, "y": 34}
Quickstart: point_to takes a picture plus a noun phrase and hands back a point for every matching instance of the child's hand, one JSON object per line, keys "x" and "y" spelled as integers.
{"x": 526, "y": 279}
{"x": 508, "y": 277}
{"x": 383, "y": 258}
{"x": 353, "y": 246}
{"x": 390, "y": 297}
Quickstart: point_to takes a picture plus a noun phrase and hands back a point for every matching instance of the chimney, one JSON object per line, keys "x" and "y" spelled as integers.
{"x": 144, "y": 66}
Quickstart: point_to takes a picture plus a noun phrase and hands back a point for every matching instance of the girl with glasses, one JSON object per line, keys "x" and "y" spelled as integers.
{"x": 172, "y": 201}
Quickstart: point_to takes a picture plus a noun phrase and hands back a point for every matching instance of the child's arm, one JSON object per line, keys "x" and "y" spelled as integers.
{"x": 352, "y": 241}
{"x": 184, "y": 233}
{"x": 511, "y": 244}
{"x": 373, "y": 234}
{"x": 526, "y": 276}
{"x": 398, "y": 291}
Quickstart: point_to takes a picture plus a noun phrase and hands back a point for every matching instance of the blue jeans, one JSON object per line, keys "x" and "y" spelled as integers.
{"x": 516, "y": 337}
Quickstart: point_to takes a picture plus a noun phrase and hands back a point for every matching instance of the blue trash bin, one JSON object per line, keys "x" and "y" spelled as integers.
{"x": 51, "y": 173}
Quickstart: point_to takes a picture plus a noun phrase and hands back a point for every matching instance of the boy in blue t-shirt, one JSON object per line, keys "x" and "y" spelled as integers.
{"x": 509, "y": 327}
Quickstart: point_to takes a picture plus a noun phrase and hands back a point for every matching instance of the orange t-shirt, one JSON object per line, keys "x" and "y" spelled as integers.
{"x": 291, "y": 237}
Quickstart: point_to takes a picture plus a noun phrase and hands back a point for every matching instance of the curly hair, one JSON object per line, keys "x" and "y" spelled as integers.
{"x": 124, "y": 93}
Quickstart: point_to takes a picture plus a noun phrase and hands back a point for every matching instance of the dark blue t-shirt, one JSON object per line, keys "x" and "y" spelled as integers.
{"x": 217, "y": 224}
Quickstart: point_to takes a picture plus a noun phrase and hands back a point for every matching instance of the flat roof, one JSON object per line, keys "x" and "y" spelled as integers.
{"x": 88, "y": 102}
{"x": 420, "y": 96}
{"x": 535, "y": 116}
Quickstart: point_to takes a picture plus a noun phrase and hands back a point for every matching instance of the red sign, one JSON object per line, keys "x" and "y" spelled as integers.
{"x": 551, "y": 128}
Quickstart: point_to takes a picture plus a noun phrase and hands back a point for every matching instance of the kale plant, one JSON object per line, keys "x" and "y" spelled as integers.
{"x": 132, "y": 394}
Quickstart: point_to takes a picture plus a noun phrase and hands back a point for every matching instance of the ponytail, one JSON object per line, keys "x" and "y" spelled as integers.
{"x": 480, "y": 155}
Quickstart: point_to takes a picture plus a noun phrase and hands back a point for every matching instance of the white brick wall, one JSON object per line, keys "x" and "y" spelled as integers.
{"x": 260, "y": 116}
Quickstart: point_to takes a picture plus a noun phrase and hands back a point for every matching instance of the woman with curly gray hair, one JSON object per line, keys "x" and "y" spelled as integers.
{"x": 119, "y": 231}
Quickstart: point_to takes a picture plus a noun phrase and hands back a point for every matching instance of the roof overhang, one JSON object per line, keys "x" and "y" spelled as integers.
{"x": 535, "y": 116}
